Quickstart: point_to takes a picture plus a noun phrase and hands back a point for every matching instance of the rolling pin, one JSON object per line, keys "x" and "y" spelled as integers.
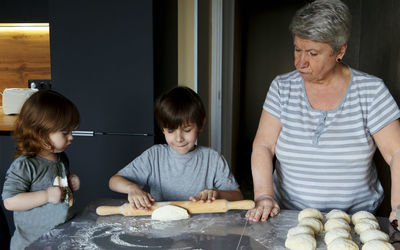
{"x": 217, "y": 206}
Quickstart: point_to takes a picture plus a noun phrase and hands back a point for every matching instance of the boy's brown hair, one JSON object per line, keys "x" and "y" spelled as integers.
{"x": 45, "y": 112}
{"x": 179, "y": 106}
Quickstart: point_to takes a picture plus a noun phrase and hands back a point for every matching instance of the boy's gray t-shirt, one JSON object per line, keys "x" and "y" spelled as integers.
{"x": 29, "y": 174}
{"x": 170, "y": 176}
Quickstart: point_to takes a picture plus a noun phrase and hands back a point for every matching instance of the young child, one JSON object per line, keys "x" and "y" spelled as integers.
{"x": 178, "y": 170}
{"x": 38, "y": 185}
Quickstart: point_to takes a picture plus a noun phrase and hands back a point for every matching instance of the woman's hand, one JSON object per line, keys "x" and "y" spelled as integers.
{"x": 74, "y": 182}
{"x": 140, "y": 199}
{"x": 207, "y": 195}
{"x": 55, "y": 194}
{"x": 265, "y": 206}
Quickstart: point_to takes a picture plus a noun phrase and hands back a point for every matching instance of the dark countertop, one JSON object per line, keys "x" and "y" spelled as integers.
{"x": 228, "y": 230}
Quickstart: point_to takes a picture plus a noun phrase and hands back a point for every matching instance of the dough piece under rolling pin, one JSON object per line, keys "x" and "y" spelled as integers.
{"x": 169, "y": 212}
{"x": 301, "y": 242}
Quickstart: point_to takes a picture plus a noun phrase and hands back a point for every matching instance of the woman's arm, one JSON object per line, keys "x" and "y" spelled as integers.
{"x": 388, "y": 141}
{"x": 262, "y": 167}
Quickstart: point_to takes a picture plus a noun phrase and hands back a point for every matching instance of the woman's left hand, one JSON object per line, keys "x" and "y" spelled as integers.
{"x": 207, "y": 195}
{"x": 74, "y": 182}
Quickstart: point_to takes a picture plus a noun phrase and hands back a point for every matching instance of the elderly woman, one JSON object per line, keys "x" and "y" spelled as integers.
{"x": 323, "y": 122}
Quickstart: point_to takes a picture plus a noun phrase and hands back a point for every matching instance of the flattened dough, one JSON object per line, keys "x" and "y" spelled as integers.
{"x": 300, "y": 229}
{"x": 310, "y": 212}
{"x": 355, "y": 218}
{"x": 373, "y": 234}
{"x": 342, "y": 244}
{"x": 377, "y": 244}
{"x": 314, "y": 223}
{"x": 336, "y": 233}
{"x": 169, "y": 212}
{"x": 338, "y": 214}
{"x": 336, "y": 223}
{"x": 301, "y": 242}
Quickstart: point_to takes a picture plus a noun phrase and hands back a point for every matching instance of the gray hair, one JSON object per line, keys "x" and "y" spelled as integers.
{"x": 327, "y": 21}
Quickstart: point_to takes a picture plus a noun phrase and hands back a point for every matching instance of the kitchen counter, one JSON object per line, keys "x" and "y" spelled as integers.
{"x": 6, "y": 121}
{"x": 228, "y": 230}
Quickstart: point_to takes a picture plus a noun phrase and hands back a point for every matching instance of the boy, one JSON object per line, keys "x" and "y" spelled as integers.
{"x": 178, "y": 170}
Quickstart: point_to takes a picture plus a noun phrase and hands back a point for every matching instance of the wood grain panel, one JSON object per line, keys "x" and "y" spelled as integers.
{"x": 24, "y": 54}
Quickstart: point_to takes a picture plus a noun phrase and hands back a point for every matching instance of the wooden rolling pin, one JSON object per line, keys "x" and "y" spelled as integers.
{"x": 192, "y": 207}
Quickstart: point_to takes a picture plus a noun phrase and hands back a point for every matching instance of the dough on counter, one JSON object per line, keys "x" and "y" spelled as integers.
{"x": 342, "y": 244}
{"x": 169, "y": 212}
{"x": 355, "y": 218}
{"x": 373, "y": 234}
{"x": 366, "y": 224}
{"x": 314, "y": 223}
{"x": 310, "y": 212}
{"x": 377, "y": 244}
{"x": 336, "y": 233}
{"x": 336, "y": 223}
{"x": 300, "y": 229}
{"x": 301, "y": 242}
{"x": 338, "y": 214}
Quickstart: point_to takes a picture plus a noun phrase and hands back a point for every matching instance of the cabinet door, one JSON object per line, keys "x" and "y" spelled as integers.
{"x": 102, "y": 59}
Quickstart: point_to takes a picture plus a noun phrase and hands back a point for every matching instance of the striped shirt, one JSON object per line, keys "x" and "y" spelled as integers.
{"x": 325, "y": 158}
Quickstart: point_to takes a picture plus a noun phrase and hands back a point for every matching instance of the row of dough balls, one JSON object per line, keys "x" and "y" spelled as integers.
{"x": 337, "y": 231}
{"x": 366, "y": 225}
{"x": 302, "y": 236}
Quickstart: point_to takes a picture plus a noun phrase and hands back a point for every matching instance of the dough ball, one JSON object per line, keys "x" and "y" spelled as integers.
{"x": 377, "y": 244}
{"x": 299, "y": 229}
{"x": 169, "y": 212}
{"x": 336, "y": 223}
{"x": 301, "y": 242}
{"x": 373, "y": 234}
{"x": 315, "y": 224}
{"x": 336, "y": 233}
{"x": 366, "y": 224}
{"x": 342, "y": 244}
{"x": 362, "y": 215}
{"x": 310, "y": 212}
{"x": 338, "y": 214}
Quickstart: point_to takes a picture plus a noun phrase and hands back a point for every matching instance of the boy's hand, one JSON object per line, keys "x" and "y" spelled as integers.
{"x": 207, "y": 195}
{"x": 74, "y": 182}
{"x": 140, "y": 199}
{"x": 55, "y": 194}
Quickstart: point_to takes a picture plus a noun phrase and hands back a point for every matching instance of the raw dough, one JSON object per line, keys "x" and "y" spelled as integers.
{"x": 310, "y": 212}
{"x": 300, "y": 229}
{"x": 362, "y": 215}
{"x": 366, "y": 224}
{"x": 373, "y": 234}
{"x": 169, "y": 212}
{"x": 377, "y": 244}
{"x": 315, "y": 224}
{"x": 336, "y": 223}
{"x": 338, "y": 214}
{"x": 342, "y": 244}
{"x": 301, "y": 242}
{"x": 336, "y": 233}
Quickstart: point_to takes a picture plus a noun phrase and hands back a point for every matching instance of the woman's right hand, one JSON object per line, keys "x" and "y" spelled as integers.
{"x": 140, "y": 199}
{"x": 55, "y": 194}
{"x": 265, "y": 207}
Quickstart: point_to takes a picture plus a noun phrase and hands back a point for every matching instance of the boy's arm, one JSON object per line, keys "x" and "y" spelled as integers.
{"x": 29, "y": 200}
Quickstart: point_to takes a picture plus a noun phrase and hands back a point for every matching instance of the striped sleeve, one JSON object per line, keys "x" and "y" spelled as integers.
{"x": 272, "y": 102}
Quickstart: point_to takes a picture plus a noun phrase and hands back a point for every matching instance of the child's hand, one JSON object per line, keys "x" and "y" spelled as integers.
{"x": 207, "y": 195}
{"x": 139, "y": 199}
{"x": 55, "y": 194}
{"x": 74, "y": 182}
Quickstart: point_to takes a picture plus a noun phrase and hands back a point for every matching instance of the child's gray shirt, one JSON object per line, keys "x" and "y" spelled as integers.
{"x": 29, "y": 174}
{"x": 170, "y": 176}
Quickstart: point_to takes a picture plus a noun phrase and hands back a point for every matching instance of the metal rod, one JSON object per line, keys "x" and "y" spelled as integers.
{"x": 93, "y": 133}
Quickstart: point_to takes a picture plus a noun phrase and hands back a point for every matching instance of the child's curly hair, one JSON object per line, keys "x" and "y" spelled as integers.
{"x": 45, "y": 112}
